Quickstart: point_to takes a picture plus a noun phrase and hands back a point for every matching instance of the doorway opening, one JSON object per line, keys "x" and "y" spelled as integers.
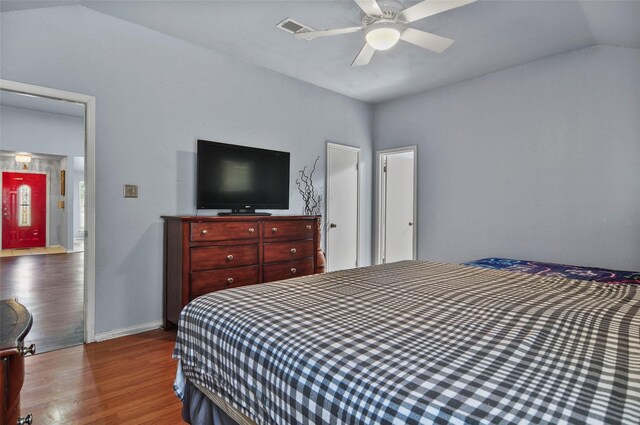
{"x": 49, "y": 135}
{"x": 397, "y": 205}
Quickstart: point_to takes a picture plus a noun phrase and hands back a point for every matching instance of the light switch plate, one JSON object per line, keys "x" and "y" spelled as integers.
{"x": 130, "y": 190}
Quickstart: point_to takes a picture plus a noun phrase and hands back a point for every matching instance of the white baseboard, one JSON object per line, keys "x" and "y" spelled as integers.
{"x": 116, "y": 333}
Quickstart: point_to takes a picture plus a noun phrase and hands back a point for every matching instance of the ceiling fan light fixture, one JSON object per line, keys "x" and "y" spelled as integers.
{"x": 382, "y": 37}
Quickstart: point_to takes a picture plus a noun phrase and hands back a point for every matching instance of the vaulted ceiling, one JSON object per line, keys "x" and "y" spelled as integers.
{"x": 489, "y": 36}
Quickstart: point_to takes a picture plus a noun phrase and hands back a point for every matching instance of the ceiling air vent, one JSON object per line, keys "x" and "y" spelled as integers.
{"x": 291, "y": 26}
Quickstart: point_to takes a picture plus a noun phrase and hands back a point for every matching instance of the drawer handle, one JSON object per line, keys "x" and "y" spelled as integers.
{"x": 229, "y": 257}
{"x": 229, "y": 280}
{"x": 293, "y": 250}
{"x": 204, "y": 231}
{"x": 26, "y": 420}
{"x": 293, "y": 270}
{"x": 274, "y": 229}
{"x": 28, "y": 350}
{"x": 308, "y": 227}
{"x": 252, "y": 230}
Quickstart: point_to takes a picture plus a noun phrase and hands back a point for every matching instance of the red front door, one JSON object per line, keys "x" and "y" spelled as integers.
{"x": 24, "y": 210}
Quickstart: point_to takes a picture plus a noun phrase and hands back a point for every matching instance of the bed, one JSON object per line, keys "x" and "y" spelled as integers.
{"x": 413, "y": 342}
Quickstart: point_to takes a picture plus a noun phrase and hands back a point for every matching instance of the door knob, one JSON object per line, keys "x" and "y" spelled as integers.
{"x": 28, "y": 350}
{"x": 410, "y": 223}
{"x": 25, "y": 420}
{"x": 333, "y": 225}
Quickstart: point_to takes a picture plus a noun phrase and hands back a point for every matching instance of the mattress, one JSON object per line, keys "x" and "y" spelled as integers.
{"x": 416, "y": 343}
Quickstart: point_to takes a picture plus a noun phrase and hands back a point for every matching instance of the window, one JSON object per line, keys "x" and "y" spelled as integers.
{"x": 24, "y": 206}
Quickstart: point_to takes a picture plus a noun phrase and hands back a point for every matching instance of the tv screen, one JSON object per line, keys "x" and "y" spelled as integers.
{"x": 241, "y": 178}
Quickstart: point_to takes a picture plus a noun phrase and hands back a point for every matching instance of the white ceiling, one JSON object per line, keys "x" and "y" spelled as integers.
{"x": 490, "y": 35}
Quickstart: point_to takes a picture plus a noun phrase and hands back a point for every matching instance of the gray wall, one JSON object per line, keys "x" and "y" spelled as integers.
{"x": 40, "y": 132}
{"x": 155, "y": 95}
{"x": 538, "y": 162}
{"x": 25, "y": 130}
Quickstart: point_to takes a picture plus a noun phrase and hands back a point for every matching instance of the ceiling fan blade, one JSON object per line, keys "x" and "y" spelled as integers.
{"x": 310, "y": 35}
{"x": 426, "y": 40}
{"x": 364, "y": 56}
{"x": 429, "y": 8}
{"x": 370, "y": 7}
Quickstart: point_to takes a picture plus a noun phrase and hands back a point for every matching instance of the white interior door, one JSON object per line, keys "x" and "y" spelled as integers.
{"x": 397, "y": 206}
{"x": 342, "y": 237}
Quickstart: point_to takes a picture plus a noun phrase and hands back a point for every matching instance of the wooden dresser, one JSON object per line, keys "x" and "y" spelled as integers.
{"x": 206, "y": 254}
{"x": 15, "y": 324}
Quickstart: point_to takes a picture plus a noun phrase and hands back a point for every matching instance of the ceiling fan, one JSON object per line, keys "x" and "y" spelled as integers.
{"x": 387, "y": 22}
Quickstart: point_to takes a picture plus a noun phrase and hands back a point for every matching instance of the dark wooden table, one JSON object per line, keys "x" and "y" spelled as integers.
{"x": 15, "y": 324}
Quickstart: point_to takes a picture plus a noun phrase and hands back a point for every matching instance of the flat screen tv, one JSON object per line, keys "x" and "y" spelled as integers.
{"x": 241, "y": 178}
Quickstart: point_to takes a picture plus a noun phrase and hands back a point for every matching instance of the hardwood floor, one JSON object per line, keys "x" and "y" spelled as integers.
{"x": 126, "y": 380}
{"x": 51, "y": 287}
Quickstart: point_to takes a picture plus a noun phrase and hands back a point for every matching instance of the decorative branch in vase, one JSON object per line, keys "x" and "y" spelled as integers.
{"x": 312, "y": 201}
{"x": 312, "y": 206}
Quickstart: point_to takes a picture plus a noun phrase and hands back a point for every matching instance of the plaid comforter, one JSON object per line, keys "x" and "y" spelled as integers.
{"x": 419, "y": 342}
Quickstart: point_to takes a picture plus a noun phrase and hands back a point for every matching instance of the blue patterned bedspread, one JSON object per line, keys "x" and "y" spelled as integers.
{"x": 560, "y": 270}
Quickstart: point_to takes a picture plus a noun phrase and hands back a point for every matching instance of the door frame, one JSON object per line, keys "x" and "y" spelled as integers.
{"x": 381, "y": 194}
{"x": 336, "y": 146}
{"x": 89, "y": 103}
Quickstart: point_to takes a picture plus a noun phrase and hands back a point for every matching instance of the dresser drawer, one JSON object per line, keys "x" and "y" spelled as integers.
{"x": 226, "y": 256}
{"x": 281, "y": 271}
{"x": 289, "y": 250}
{"x": 224, "y": 231}
{"x": 290, "y": 229}
{"x": 215, "y": 280}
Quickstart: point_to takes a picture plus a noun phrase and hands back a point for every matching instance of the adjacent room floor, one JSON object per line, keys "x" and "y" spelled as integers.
{"x": 51, "y": 287}
{"x": 54, "y": 249}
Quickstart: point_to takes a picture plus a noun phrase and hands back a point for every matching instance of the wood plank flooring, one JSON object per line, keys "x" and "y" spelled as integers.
{"x": 51, "y": 287}
{"x": 126, "y": 380}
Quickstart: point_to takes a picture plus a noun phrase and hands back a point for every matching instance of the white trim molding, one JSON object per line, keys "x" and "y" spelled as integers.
{"x": 89, "y": 103}
{"x": 131, "y": 330}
